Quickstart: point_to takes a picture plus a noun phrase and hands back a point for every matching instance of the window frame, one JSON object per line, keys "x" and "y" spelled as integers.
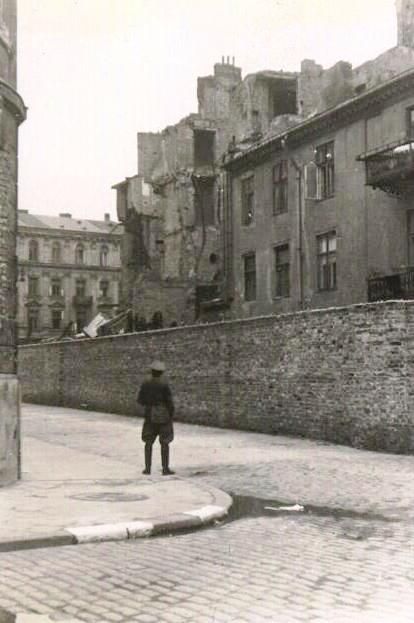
{"x": 409, "y": 121}
{"x": 33, "y": 250}
{"x": 79, "y": 254}
{"x": 103, "y": 255}
{"x": 325, "y": 170}
{"x": 33, "y": 286}
{"x": 54, "y": 316}
{"x": 80, "y": 291}
{"x": 280, "y": 186}
{"x": 247, "y": 191}
{"x": 56, "y": 252}
{"x": 56, "y": 287}
{"x": 250, "y": 277}
{"x": 282, "y": 271}
{"x": 326, "y": 268}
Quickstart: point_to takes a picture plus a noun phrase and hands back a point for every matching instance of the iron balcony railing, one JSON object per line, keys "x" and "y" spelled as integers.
{"x": 396, "y": 286}
{"x": 390, "y": 165}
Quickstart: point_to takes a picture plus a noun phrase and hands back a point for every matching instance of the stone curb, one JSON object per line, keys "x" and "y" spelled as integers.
{"x": 138, "y": 529}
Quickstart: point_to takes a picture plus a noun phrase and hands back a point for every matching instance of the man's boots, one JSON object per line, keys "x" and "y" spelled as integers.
{"x": 165, "y": 460}
{"x": 148, "y": 458}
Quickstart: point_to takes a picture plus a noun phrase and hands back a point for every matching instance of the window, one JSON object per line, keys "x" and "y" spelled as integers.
{"x": 324, "y": 160}
{"x": 103, "y": 256}
{"x": 247, "y": 191}
{"x": 250, "y": 277}
{"x": 280, "y": 187}
{"x": 57, "y": 315}
{"x": 33, "y": 286}
{"x": 282, "y": 270}
{"x": 56, "y": 252}
{"x": 410, "y": 122}
{"x": 33, "y": 251}
{"x": 79, "y": 254}
{"x": 81, "y": 319}
{"x": 104, "y": 288}
{"x": 204, "y": 144}
{"x": 32, "y": 320}
{"x": 80, "y": 287}
{"x": 326, "y": 245}
{"x": 56, "y": 287}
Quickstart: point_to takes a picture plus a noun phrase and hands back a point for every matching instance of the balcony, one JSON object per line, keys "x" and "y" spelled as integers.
{"x": 80, "y": 300}
{"x": 396, "y": 286}
{"x": 391, "y": 169}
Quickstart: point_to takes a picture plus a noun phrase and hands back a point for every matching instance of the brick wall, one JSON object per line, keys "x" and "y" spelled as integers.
{"x": 340, "y": 374}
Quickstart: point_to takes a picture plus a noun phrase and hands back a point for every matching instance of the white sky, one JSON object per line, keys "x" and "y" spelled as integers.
{"x": 95, "y": 72}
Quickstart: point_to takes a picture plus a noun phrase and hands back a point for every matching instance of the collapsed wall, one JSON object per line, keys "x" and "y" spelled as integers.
{"x": 341, "y": 374}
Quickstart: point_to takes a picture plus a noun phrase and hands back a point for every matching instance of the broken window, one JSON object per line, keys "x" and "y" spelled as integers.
{"x": 247, "y": 192}
{"x": 204, "y": 143}
{"x": 204, "y": 202}
{"x": 280, "y": 187}
{"x": 250, "y": 277}
{"x": 282, "y": 100}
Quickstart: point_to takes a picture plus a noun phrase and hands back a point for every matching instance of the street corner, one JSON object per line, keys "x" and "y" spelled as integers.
{"x": 212, "y": 505}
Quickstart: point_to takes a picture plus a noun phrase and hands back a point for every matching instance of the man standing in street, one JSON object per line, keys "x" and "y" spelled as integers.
{"x": 156, "y": 398}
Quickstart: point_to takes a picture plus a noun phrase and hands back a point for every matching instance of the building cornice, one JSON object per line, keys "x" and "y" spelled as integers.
{"x": 357, "y": 107}
{"x": 68, "y": 267}
{"x": 28, "y": 230}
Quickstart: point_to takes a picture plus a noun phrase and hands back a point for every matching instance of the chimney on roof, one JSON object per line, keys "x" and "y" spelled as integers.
{"x": 65, "y": 215}
{"x": 107, "y": 217}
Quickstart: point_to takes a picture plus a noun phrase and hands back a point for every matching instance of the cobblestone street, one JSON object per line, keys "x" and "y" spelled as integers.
{"x": 347, "y": 557}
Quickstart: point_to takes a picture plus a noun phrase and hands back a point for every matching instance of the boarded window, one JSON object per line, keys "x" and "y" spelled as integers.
{"x": 204, "y": 202}
{"x": 204, "y": 142}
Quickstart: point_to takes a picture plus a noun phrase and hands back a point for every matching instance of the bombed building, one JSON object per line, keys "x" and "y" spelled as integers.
{"x": 238, "y": 209}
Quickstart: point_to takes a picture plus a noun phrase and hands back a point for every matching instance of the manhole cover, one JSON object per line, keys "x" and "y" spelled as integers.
{"x": 109, "y": 496}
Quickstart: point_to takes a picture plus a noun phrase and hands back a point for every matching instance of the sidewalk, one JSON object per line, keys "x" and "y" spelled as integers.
{"x": 68, "y": 496}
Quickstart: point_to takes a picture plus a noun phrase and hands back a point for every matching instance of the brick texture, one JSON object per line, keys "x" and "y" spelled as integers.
{"x": 339, "y": 374}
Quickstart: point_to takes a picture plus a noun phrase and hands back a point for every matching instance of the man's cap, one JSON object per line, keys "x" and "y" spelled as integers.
{"x": 159, "y": 366}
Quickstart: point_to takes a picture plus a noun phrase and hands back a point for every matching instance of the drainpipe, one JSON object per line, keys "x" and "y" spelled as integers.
{"x": 299, "y": 176}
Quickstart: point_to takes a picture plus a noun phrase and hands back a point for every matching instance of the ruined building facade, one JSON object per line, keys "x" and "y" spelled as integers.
{"x": 245, "y": 207}
{"x": 12, "y": 113}
{"x": 172, "y": 210}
